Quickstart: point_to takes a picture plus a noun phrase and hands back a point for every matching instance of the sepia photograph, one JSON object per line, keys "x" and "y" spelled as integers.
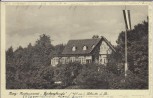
{"x": 77, "y": 47}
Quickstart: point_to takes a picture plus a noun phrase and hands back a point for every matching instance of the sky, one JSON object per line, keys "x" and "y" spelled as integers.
{"x": 24, "y": 24}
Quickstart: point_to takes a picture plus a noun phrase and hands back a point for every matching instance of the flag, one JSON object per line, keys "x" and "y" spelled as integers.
{"x": 127, "y": 19}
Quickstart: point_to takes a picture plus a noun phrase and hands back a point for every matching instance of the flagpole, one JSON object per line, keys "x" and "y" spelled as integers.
{"x": 126, "y": 65}
{"x": 126, "y": 14}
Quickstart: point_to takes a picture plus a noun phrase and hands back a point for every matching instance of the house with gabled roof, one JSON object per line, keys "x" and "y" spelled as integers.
{"x": 95, "y": 50}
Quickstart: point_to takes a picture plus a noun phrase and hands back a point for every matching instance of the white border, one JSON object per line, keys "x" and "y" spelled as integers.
{"x": 111, "y": 93}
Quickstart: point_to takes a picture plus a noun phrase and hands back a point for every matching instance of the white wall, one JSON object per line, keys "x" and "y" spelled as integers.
{"x": 64, "y": 60}
{"x": 104, "y": 51}
{"x": 104, "y": 48}
{"x": 54, "y": 61}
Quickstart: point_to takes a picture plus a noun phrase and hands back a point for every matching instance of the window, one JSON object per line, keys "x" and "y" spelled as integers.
{"x": 88, "y": 61}
{"x": 73, "y": 48}
{"x": 84, "y": 47}
{"x": 105, "y": 60}
{"x": 101, "y": 61}
{"x": 78, "y": 59}
{"x": 84, "y": 60}
{"x": 73, "y": 59}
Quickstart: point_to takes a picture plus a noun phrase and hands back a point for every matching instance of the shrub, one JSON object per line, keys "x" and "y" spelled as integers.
{"x": 67, "y": 72}
{"x": 93, "y": 75}
{"x": 131, "y": 81}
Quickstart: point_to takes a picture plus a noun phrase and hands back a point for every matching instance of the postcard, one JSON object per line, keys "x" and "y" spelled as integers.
{"x": 76, "y": 50}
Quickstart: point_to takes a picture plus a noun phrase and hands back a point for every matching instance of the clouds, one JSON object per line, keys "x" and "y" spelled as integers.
{"x": 25, "y": 24}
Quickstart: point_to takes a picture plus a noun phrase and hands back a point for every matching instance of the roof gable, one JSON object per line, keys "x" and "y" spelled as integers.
{"x": 79, "y": 44}
{"x": 109, "y": 44}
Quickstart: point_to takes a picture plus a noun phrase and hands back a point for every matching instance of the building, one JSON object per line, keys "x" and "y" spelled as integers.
{"x": 85, "y": 51}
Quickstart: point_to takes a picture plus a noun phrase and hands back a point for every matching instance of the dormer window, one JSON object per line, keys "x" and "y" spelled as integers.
{"x": 84, "y": 47}
{"x": 73, "y": 48}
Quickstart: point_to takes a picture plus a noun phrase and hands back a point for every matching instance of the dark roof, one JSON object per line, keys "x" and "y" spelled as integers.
{"x": 79, "y": 44}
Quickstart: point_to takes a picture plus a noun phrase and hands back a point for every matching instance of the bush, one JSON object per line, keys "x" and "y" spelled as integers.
{"x": 93, "y": 76}
{"x": 131, "y": 81}
{"x": 67, "y": 72}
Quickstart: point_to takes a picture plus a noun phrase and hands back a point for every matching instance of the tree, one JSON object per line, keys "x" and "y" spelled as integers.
{"x": 67, "y": 73}
{"x": 9, "y": 53}
{"x": 42, "y": 52}
{"x": 137, "y": 43}
{"x": 95, "y": 36}
{"x": 137, "y": 48}
{"x": 9, "y": 57}
{"x": 27, "y": 66}
{"x": 41, "y": 55}
{"x": 59, "y": 49}
{"x": 115, "y": 63}
{"x": 10, "y": 68}
{"x": 94, "y": 76}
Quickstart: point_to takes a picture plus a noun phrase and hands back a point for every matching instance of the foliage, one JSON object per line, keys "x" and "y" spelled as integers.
{"x": 137, "y": 43}
{"x": 115, "y": 64}
{"x": 58, "y": 49}
{"x": 29, "y": 67}
{"x": 95, "y": 36}
{"x": 132, "y": 81}
{"x": 67, "y": 72}
{"x": 137, "y": 48}
{"x": 93, "y": 75}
